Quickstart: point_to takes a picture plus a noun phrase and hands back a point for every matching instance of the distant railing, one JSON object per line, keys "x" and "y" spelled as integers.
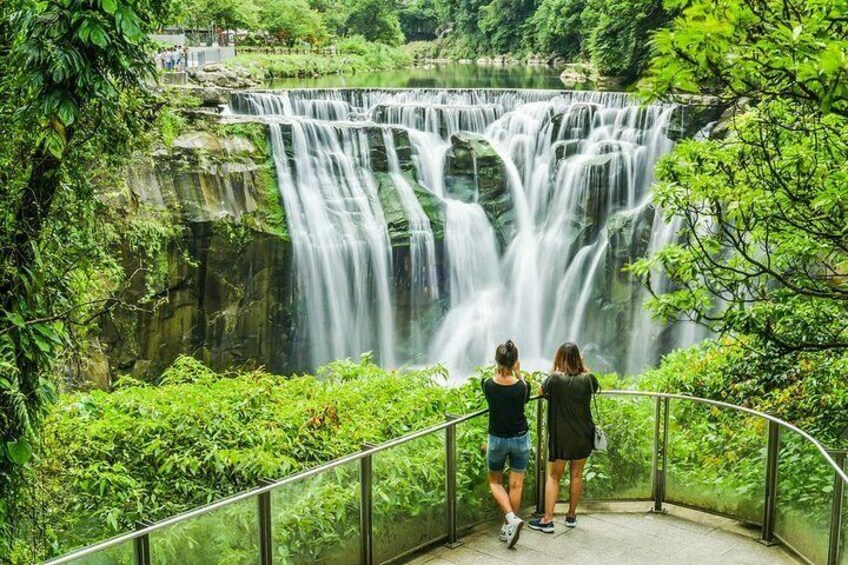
{"x": 280, "y": 50}
{"x": 789, "y": 484}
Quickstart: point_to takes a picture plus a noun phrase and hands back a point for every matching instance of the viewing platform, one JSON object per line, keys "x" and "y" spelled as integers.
{"x": 620, "y": 533}
{"x": 685, "y": 480}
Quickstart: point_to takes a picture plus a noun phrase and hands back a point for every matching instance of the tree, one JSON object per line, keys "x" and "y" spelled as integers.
{"x": 556, "y": 27}
{"x": 502, "y": 23}
{"x": 223, "y": 14}
{"x": 375, "y": 20}
{"x": 419, "y": 20}
{"x": 619, "y": 37}
{"x": 293, "y": 21}
{"x": 764, "y": 242}
{"x": 72, "y": 95}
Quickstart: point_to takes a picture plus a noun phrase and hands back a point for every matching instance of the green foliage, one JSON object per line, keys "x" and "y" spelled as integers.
{"x": 613, "y": 34}
{"x": 557, "y": 27}
{"x": 375, "y": 20}
{"x": 419, "y": 20}
{"x": 618, "y": 34}
{"x": 805, "y": 388}
{"x": 198, "y": 436}
{"x": 292, "y": 22}
{"x": 225, "y": 14}
{"x": 503, "y": 23}
{"x": 72, "y": 104}
{"x": 359, "y": 56}
{"x": 764, "y": 211}
{"x": 758, "y": 51}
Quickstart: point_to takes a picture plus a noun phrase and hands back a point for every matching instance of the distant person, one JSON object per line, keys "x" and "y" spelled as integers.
{"x": 571, "y": 431}
{"x": 185, "y": 58}
{"x": 506, "y": 394}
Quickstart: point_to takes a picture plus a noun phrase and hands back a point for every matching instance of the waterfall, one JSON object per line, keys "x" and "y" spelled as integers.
{"x": 520, "y": 209}
{"x": 340, "y": 239}
{"x": 424, "y": 286}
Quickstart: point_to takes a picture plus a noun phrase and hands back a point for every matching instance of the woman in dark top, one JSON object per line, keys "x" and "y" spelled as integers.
{"x": 571, "y": 431}
{"x": 507, "y": 393}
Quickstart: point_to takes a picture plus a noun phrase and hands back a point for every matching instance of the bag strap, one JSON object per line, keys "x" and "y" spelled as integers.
{"x": 595, "y": 401}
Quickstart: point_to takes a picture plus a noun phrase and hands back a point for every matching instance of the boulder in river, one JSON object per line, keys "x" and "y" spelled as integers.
{"x": 475, "y": 172}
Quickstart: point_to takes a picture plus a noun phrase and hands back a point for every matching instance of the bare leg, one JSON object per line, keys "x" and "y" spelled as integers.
{"x": 575, "y": 488}
{"x": 555, "y": 471}
{"x": 499, "y": 492}
{"x": 516, "y": 485}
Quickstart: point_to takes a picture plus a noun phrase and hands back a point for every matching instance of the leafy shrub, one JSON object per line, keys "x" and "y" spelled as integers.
{"x": 147, "y": 452}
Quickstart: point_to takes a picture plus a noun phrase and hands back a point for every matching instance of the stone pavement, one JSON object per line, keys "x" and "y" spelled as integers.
{"x": 619, "y": 534}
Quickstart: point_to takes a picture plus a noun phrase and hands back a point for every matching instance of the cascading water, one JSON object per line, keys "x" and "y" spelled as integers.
{"x": 520, "y": 207}
{"x": 340, "y": 239}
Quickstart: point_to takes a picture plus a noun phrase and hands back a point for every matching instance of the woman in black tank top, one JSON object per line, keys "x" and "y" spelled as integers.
{"x": 507, "y": 394}
{"x": 571, "y": 431}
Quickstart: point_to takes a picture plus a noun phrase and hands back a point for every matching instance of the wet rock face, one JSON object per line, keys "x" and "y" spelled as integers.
{"x": 616, "y": 295}
{"x": 227, "y": 303}
{"x": 209, "y": 177}
{"x": 474, "y": 172}
{"x": 396, "y": 218}
{"x": 689, "y": 119}
{"x": 227, "y": 295}
{"x": 379, "y": 158}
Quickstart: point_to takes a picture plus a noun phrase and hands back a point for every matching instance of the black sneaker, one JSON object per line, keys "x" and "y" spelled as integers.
{"x": 570, "y": 521}
{"x": 540, "y": 526}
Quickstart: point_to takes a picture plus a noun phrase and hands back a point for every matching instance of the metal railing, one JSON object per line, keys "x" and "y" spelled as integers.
{"x": 774, "y": 518}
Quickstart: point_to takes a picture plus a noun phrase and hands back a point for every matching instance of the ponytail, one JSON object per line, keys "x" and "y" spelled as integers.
{"x": 506, "y": 355}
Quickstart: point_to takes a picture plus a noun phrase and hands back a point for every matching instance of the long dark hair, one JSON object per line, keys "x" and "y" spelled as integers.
{"x": 506, "y": 355}
{"x": 568, "y": 360}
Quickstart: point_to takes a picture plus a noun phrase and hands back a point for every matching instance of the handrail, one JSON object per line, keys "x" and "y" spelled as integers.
{"x": 372, "y": 450}
{"x": 822, "y": 449}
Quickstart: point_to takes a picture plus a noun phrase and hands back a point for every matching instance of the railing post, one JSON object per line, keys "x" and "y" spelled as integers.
{"x": 450, "y": 481}
{"x": 266, "y": 549}
{"x": 141, "y": 545}
{"x": 770, "y": 501}
{"x": 541, "y": 464}
{"x": 660, "y": 459}
{"x": 834, "y": 544}
{"x": 366, "y": 510}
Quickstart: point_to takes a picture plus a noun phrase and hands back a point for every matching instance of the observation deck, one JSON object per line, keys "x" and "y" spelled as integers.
{"x": 724, "y": 484}
{"x": 618, "y": 534}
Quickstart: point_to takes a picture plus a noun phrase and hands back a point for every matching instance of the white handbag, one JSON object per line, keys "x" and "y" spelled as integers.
{"x": 600, "y": 436}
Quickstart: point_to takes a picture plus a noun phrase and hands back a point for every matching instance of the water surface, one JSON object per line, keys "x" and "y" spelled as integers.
{"x": 451, "y": 75}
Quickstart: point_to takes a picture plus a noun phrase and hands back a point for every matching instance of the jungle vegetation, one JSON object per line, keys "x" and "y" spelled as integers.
{"x": 763, "y": 257}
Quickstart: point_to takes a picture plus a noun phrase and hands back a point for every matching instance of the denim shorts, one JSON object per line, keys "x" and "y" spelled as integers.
{"x": 517, "y": 449}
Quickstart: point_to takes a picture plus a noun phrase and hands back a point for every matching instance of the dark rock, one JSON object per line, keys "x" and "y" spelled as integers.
{"x": 227, "y": 304}
{"x": 688, "y": 120}
{"x": 574, "y": 124}
{"x": 565, "y": 149}
{"x": 474, "y": 172}
{"x": 223, "y": 76}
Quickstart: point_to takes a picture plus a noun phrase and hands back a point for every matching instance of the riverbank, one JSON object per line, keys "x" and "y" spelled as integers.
{"x": 351, "y": 56}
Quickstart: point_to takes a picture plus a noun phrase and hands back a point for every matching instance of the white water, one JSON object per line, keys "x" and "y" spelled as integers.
{"x": 340, "y": 240}
{"x": 557, "y": 276}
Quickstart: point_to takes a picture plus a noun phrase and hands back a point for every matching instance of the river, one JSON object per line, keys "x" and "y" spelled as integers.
{"x": 449, "y": 75}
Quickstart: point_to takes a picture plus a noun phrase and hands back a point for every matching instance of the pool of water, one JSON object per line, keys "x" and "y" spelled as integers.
{"x": 451, "y": 75}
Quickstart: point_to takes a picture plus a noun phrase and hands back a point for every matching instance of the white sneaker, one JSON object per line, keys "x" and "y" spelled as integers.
{"x": 513, "y": 531}
{"x": 504, "y": 534}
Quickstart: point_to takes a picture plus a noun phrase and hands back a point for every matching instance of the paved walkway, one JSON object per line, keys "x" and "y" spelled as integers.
{"x": 619, "y": 534}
